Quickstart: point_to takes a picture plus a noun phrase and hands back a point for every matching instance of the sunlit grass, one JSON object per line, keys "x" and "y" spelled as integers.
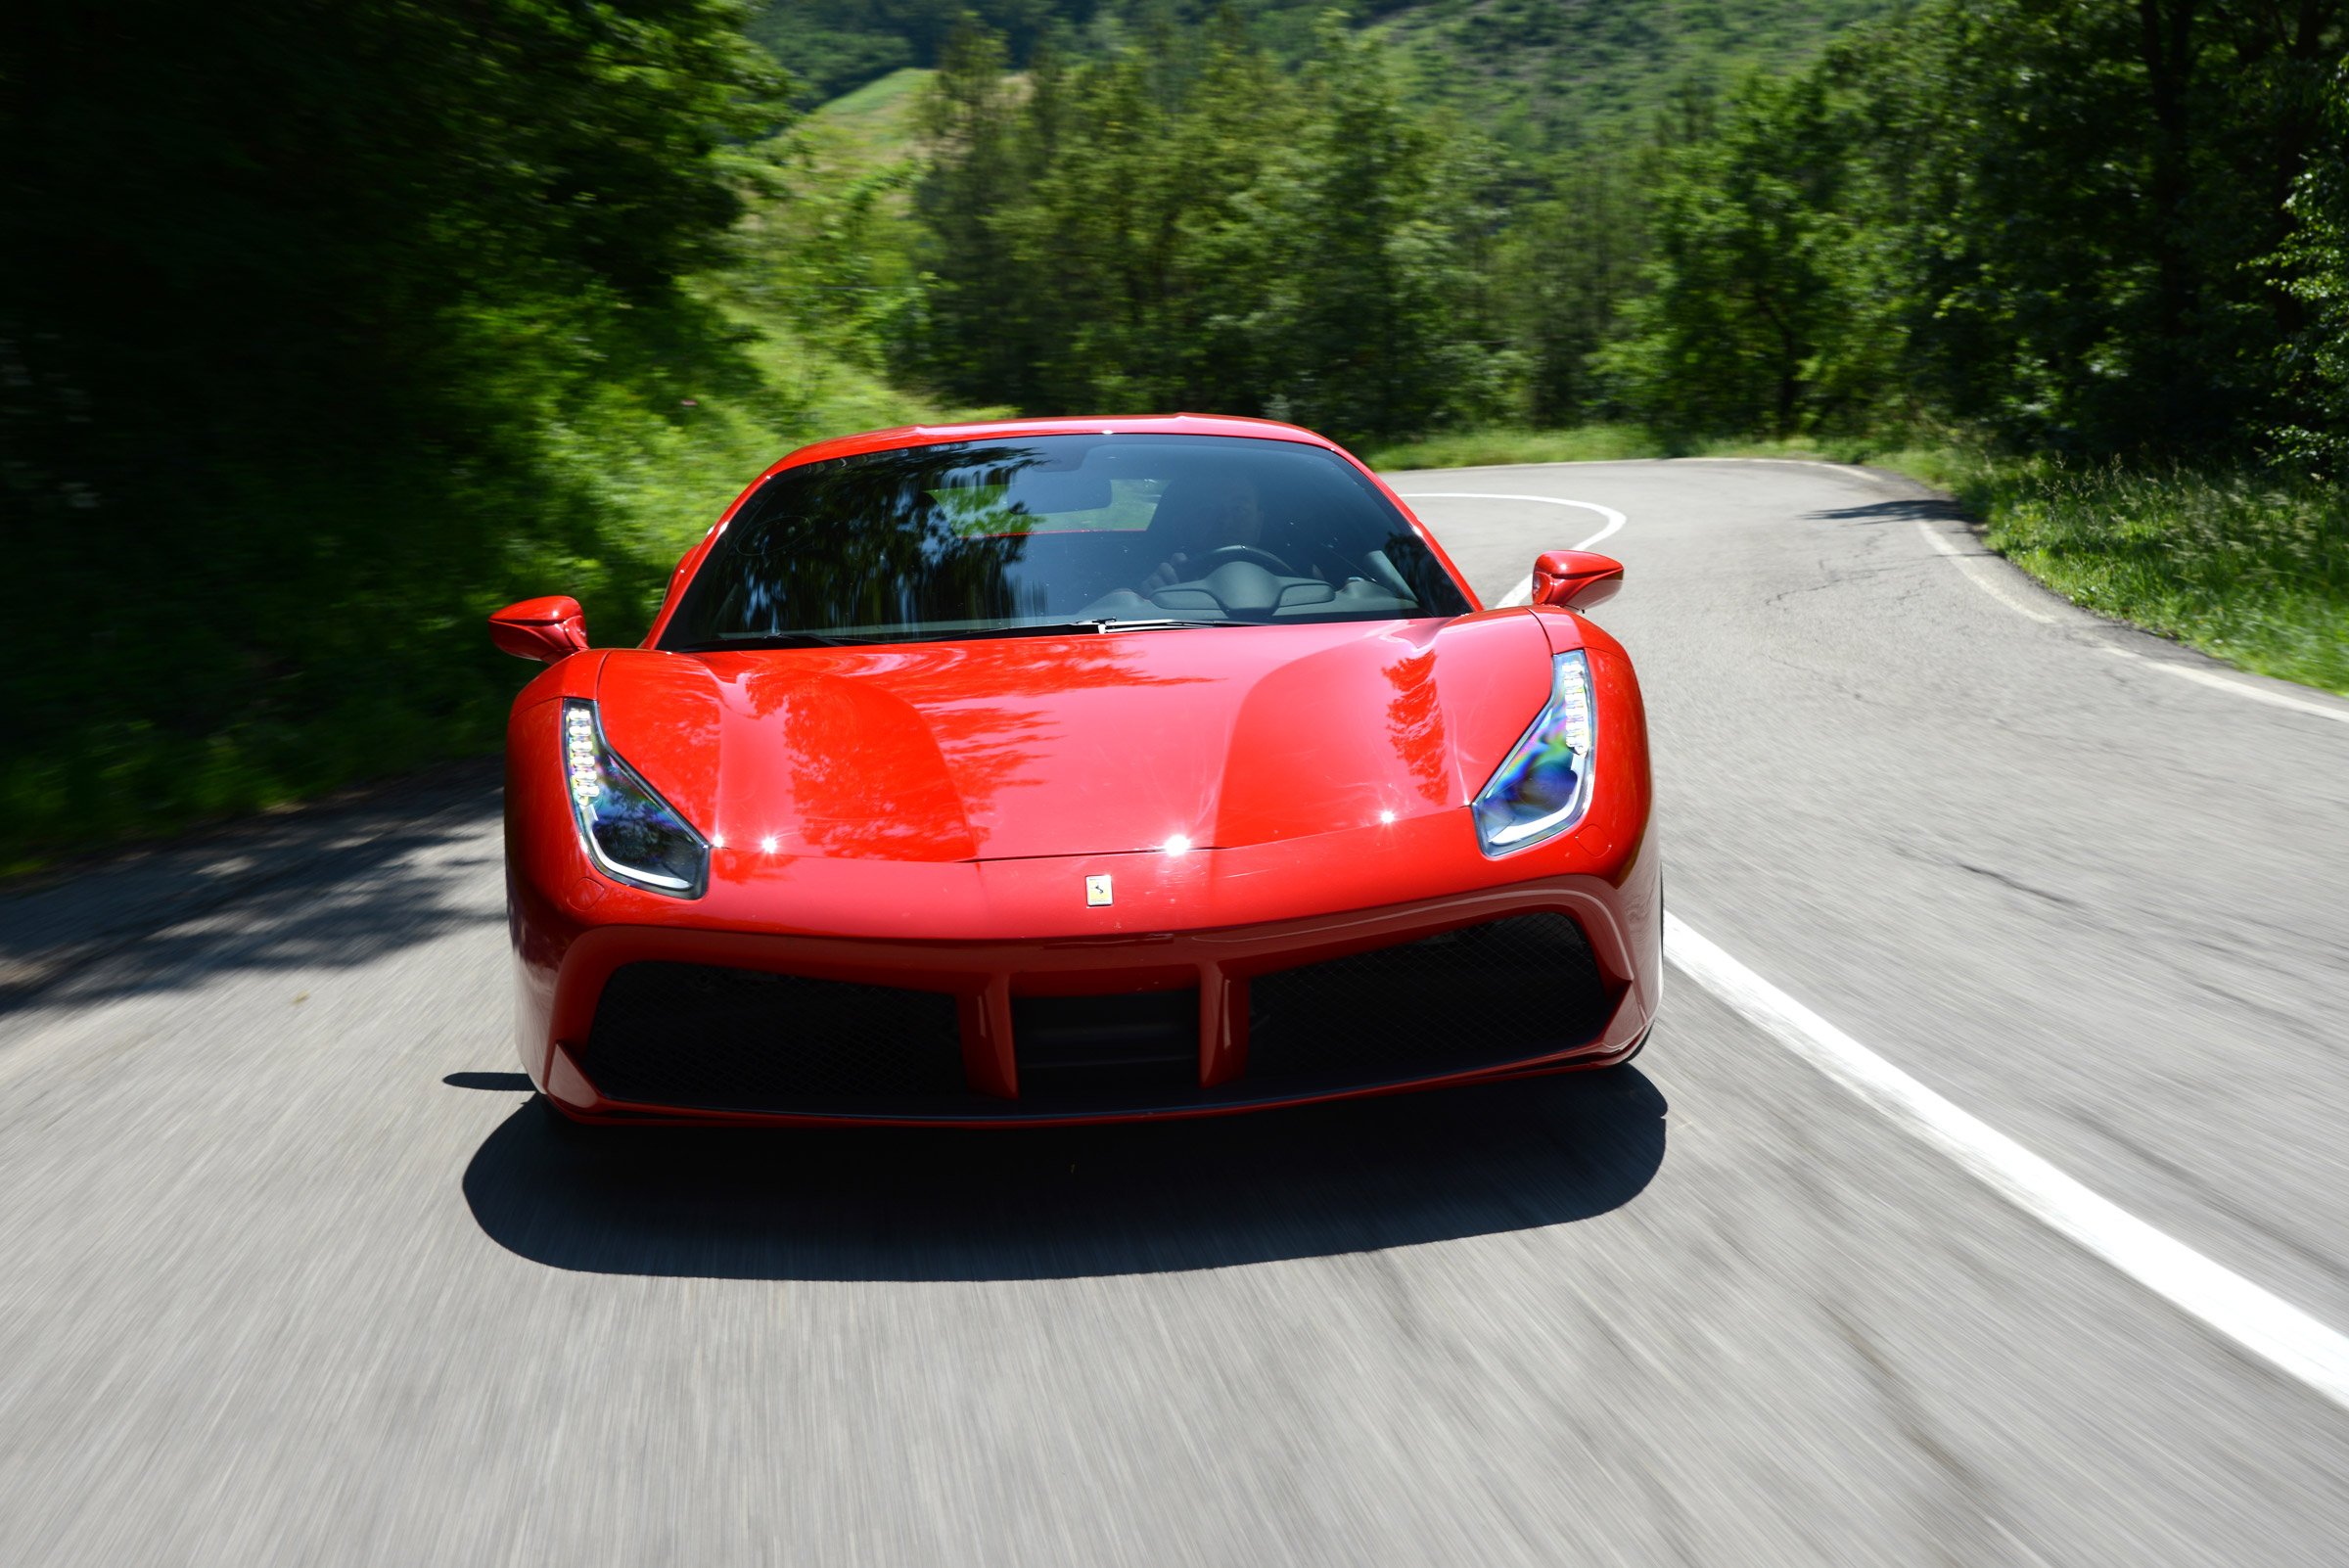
{"x": 2248, "y": 566}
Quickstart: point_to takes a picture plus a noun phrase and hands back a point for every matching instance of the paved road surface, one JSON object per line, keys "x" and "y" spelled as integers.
{"x": 289, "y": 1271}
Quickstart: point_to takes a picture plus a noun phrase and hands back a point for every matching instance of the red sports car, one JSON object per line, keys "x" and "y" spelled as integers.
{"x": 1074, "y": 770}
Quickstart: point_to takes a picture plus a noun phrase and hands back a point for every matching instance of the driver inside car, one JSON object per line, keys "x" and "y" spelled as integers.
{"x": 1203, "y": 516}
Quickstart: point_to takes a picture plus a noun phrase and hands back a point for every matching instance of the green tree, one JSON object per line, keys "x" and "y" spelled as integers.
{"x": 1571, "y": 261}
{"x": 2313, "y": 363}
{"x": 2088, "y": 184}
{"x": 1770, "y": 304}
{"x": 1183, "y": 224}
{"x": 974, "y": 330}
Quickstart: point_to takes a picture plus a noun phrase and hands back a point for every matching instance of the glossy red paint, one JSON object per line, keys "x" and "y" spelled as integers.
{"x": 545, "y": 630}
{"x": 1576, "y": 580}
{"x": 924, "y": 815}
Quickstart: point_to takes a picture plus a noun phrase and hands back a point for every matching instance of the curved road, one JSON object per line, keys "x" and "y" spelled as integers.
{"x": 291, "y": 1272}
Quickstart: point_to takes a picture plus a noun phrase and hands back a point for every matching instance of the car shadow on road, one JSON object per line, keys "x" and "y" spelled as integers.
{"x": 1056, "y": 1203}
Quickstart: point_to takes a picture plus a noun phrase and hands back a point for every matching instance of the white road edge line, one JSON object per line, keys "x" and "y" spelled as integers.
{"x": 2265, "y": 1324}
{"x": 1985, "y": 579}
{"x": 2241, "y": 688}
{"x": 1982, "y": 578}
{"x": 1523, "y": 593}
{"x": 1813, "y": 464}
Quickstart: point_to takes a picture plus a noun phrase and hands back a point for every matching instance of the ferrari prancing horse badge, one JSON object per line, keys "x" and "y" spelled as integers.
{"x": 1096, "y": 890}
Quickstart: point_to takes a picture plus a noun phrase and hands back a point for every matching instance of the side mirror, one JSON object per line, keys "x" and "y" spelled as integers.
{"x": 1576, "y": 580}
{"x": 545, "y": 629}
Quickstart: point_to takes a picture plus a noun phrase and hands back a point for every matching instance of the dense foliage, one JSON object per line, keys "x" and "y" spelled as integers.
{"x": 1534, "y": 73}
{"x": 1187, "y": 225}
{"x": 306, "y": 316}
{"x": 2068, "y": 220}
{"x": 2314, "y": 263}
{"x": 2094, "y": 226}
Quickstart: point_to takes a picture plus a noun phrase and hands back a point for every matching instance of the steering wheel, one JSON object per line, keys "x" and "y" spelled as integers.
{"x": 1238, "y": 552}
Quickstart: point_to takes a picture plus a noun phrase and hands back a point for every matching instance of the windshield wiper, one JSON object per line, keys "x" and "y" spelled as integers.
{"x": 1107, "y": 623}
{"x": 752, "y": 641}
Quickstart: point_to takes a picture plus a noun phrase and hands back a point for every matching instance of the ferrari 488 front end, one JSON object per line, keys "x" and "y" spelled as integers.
{"x": 1074, "y": 770}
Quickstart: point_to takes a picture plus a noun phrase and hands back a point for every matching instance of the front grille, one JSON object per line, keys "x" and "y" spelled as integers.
{"x": 707, "y": 1037}
{"x": 1118, "y": 1049}
{"x": 717, "y": 1039}
{"x": 1480, "y": 996}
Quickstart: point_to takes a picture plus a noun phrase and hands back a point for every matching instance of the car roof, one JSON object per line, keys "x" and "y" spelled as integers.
{"x": 882, "y": 441}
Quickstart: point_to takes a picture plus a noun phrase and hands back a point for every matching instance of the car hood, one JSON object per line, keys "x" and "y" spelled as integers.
{"x": 1021, "y": 747}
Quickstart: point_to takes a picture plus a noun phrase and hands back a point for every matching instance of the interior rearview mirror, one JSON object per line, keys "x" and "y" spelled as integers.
{"x": 545, "y": 630}
{"x": 1576, "y": 580}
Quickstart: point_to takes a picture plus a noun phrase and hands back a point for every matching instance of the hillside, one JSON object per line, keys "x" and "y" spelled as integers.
{"x": 1538, "y": 73}
{"x": 867, "y": 127}
{"x": 1554, "y": 72}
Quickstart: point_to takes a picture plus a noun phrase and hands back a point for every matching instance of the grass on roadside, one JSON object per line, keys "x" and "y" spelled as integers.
{"x": 2248, "y": 566}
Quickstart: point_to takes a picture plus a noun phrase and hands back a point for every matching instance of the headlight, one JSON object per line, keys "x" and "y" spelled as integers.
{"x": 1544, "y": 786}
{"x": 630, "y": 832}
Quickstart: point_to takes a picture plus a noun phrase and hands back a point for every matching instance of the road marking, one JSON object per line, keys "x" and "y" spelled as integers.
{"x": 1523, "y": 593}
{"x": 1813, "y": 464}
{"x": 2241, "y": 688}
{"x": 1975, "y": 568}
{"x": 2265, "y": 1324}
{"x": 1983, "y": 578}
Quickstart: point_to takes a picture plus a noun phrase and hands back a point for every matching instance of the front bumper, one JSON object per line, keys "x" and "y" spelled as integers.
{"x": 986, "y": 1003}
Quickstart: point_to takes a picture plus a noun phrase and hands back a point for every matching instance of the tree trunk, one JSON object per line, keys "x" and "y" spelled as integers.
{"x": 2167, "y": 43}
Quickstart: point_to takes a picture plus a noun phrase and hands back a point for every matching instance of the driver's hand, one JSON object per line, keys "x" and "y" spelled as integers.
{"x": 1166, "y": 574}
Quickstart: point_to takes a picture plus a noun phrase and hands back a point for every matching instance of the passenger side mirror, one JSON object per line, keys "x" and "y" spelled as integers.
{"x": 545, "y": 629}
{"x": 1576, "y": 580}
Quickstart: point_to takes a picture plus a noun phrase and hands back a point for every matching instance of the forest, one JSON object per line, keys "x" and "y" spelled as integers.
{"x": 327, "y": 328}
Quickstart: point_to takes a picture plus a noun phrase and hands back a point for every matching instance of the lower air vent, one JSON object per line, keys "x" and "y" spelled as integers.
{"x": 1110, "y": 1050}
{"x": 1481, "y": 996}
{"x": 715, "y": 1039}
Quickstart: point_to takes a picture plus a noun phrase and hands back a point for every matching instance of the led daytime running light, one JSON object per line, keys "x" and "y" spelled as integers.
{"x": 630, "y": 832}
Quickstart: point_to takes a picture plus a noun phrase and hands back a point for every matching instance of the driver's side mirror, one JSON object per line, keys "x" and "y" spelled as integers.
{"x": 545, "y": 630}
{"x": 1576, "y": 580}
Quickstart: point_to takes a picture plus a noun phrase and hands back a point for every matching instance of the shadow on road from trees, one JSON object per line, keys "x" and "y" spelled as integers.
{"x": 1039, "y": 1203}
{"x": 335, "y": 886}
{"x": 1905, "y": 509}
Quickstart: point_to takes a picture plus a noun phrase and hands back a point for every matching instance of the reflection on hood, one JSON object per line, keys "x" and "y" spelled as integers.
{"x": 1023, "y": 747}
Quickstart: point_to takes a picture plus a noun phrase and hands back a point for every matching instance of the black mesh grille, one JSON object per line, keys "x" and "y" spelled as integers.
{"x": 1117, "y": 1049}
{"x": 693, "y": 1035}
{"x": 1481, "y": 996}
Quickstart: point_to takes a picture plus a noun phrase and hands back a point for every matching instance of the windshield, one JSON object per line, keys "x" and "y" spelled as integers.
{"x": 1057, "y": 533}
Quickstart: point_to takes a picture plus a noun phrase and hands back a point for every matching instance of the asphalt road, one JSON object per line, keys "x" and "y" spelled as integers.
{"x": 290, "y": 1271}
